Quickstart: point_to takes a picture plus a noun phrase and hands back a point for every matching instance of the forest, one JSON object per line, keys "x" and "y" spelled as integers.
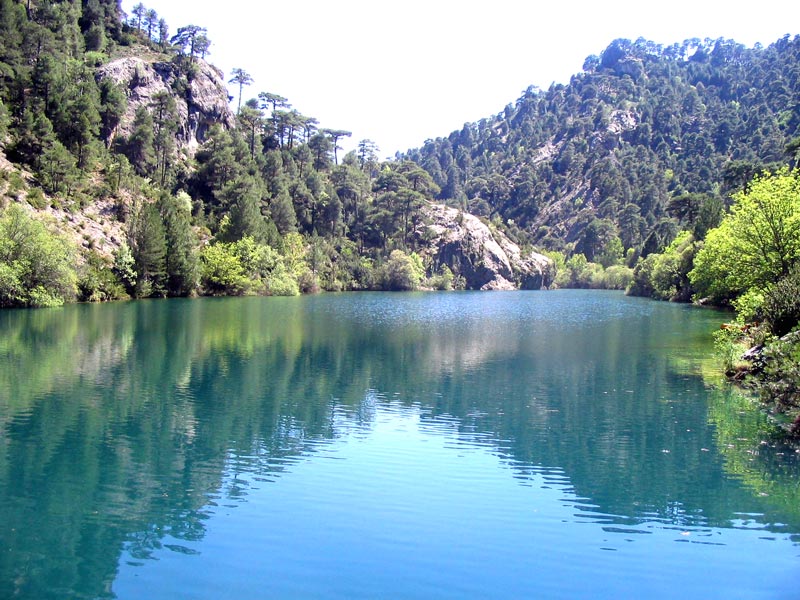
{"x": 667, "y": 171}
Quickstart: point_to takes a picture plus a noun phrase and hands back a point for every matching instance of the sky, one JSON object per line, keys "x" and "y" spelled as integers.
{"x": 398, "y": 73}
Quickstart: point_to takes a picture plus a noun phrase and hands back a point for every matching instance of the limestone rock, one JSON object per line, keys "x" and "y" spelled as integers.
{"x": 484, "y": 257}
{"x": 201, "y": 102}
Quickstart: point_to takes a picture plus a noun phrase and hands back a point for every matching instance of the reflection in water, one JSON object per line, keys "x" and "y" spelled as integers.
{"x": 126, "y": 428}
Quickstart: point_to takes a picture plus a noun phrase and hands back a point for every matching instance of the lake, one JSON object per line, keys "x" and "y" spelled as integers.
{"x": 564, "y": 444}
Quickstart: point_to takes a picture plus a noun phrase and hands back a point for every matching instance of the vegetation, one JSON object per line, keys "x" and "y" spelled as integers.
{"x": 35, "y": 263}
{"x": 666, "y": 171}
{"x": 751, "y": 262}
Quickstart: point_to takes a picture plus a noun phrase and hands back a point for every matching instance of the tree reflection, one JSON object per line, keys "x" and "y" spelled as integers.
{"x": 123, "y": 424}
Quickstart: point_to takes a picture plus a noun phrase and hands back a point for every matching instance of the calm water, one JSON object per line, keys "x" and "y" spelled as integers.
{"x": 463, "y": 445}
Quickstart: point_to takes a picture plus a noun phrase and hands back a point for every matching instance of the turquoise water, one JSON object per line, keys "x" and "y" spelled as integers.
{"x": 567, "y": 444}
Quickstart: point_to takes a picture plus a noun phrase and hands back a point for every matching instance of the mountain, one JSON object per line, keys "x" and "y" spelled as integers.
{"x": 120, "y": 132}
{"x": 638, "y": 145}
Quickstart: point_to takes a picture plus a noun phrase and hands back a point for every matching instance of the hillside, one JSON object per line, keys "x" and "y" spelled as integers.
{"x": 119, "y": 136}
{"x": 645, "y": 141}
{"x": 119, "y": 151}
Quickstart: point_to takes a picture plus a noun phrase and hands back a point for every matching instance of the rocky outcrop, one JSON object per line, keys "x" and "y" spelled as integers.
{"x": 201, "y": 99}
{"x": 484, "y": 257}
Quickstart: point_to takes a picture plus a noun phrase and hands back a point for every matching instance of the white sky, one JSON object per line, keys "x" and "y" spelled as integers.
{"x": 399, "y": 73}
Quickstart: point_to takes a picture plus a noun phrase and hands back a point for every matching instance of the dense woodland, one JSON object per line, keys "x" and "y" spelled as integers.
{"x": 666, "y": 171}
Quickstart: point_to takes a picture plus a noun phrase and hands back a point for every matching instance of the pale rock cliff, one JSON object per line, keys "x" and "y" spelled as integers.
{"x": 483, "y": 256}
{"x": 201, "y": 102}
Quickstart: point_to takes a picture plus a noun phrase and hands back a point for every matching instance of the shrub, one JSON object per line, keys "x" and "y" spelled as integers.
{"x": 443, "y": 281}
{"x": 402, "y": 271}
{"x": 36, "y": 265}
{"x": 221, "y": 271}
{"x": 781, "y": 306}
{"x": 618, "y": 277}
{"x": 99, "y": 283}
{"x": 781, "y": 386}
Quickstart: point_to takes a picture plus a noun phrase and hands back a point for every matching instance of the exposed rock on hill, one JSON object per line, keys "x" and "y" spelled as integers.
{"x": 203, "y": 102}
{"x": 483, "y": 256}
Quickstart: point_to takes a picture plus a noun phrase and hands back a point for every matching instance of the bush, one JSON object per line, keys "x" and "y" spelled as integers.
{"x": 618, "y": 277}
{"x": 221, "y": 271}
{"x": 729, "y": 345}
{"x": 99, "y": 283}
{"x": 781, "y": 307}
{"x": 402, "y": 272}
{"x": 757, "y": 243}
{"x": 443, "y": 281}
{"x": 780, "y": 388}
{"x": 748, "y": 307}
{"x": 36, "y": 265}
{"x": 36, "y": 199}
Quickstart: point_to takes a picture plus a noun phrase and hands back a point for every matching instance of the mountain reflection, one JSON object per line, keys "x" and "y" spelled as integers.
{"x": 120, "y": 424}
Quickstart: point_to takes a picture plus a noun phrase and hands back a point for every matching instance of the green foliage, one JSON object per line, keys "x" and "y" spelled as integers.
{"x": 748, "y": 306}
{"x": 221, "y": 271}
{"x": 36, "y": 265}
{"x": 58, "y": 169}
{"x": 577, "y": 272}
{"x": 779, "y": 383}
{"x": 125, "y": 267}
{"x": 651, "y": 152}
{"x": 139, "y": 147}
{"x": 247, "y": 267}
{"x": 402, "y": 272}
{"x": 781, "y": 305}
{"x": 729, "y": 347}
{"x": 665, "y": 276}
{"x": 756, "y": 244}
{"x": 618, "y": 277}
{"x": 148, "y": 244}
{"x": 181, "y": 243}
{"x": 5, "y": 120}
{"x": 442, "y": 281}
{"x": 607, "y": 169}
{"x": 98, "y": 282}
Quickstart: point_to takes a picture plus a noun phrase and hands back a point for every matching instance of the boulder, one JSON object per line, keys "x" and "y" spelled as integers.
{"x": 485, "y": 257}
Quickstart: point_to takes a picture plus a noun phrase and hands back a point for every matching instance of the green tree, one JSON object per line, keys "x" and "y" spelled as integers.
{"x": 403, "y": 271}
{"x": 243, "y": 196}
{"x": 36, "y": 265}
{"x": 336, "y": 135}
{"x": 150, "y": 22}
{"x": 58, "y": 169}
{"x": 165, "y": 124}
{"x": 252, "y": 123}
{"x": 757, "y": 243}
{"x": 186, "y": 38}
{"x": 181, "y": 257}
{"x": 163, "y": 34}
{"x": 112, "y": 107}
{"x": 139, "y": 11}
{"x": 139, "y": 147}
{"x": 221, "y": 271}
{"x": 148, "y": 244}
{"x": 240, "y": 78}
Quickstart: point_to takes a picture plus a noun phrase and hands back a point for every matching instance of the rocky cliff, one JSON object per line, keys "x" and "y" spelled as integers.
{"x": 483, "y": 256}
{"x": 202, "y": 99}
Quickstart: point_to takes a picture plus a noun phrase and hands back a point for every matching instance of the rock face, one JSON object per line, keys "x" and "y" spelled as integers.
{"x": 486, "y": 259}
{"x": 201, "y": 102}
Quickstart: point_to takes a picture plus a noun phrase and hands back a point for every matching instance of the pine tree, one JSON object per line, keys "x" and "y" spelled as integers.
{"x": 147, "y": 241}
{"x": 181, "y": 258}
{"x": 139, "y": 146}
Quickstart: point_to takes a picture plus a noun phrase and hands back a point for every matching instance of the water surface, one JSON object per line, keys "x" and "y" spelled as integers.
{"x": 462, "y": 445}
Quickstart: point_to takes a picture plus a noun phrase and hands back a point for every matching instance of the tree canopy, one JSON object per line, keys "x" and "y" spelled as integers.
{"x": 757, "y": 243}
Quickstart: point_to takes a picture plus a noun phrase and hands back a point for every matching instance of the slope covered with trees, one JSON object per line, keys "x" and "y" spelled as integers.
{"x": 645, "y": 141}
{"x": 629, "y": 165}
{"x": 107, "y": 125}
